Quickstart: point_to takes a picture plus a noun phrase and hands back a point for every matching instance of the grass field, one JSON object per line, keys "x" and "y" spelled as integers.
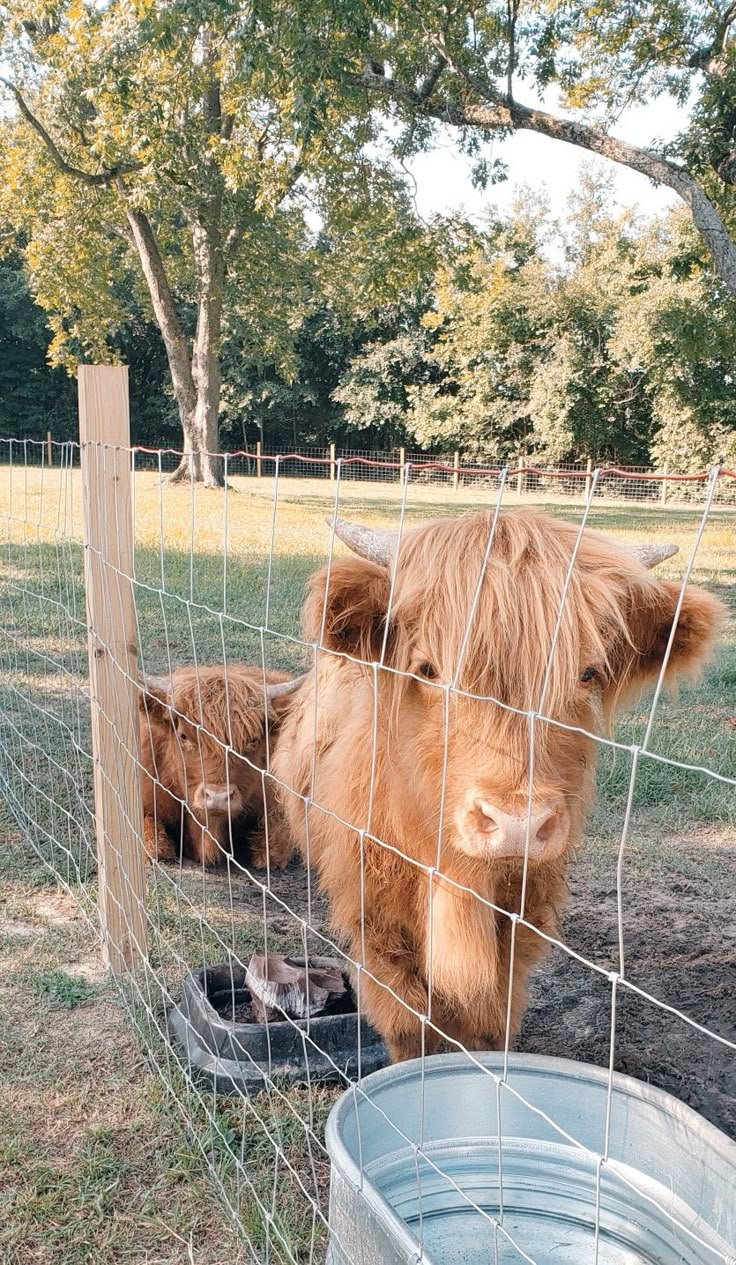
{"x": 204, "y": 588}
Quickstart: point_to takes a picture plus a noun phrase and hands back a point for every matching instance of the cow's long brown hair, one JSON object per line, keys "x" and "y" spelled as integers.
{"x": 208, "y": 725}
{"x": 615, "y": 623}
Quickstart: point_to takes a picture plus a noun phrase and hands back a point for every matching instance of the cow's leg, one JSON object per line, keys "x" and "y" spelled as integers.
{"x": 529, "y": 947}
{"x": 156, "y": 840}
{"x": 204, "y": 845}
{"x": 396, "y": 989}
{"x": 277, "y": 852}
{"x": 528, "y": 950}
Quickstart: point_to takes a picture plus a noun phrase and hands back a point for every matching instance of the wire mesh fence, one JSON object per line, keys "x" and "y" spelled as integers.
{"x": 431, "y": 771}
{"x": 530, "y": 480}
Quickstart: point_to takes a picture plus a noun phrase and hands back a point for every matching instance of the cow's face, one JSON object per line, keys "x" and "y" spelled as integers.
{"x": 220, "y": 782}
{"x": 211, "y": 731}
{"x": 485, "y": 731}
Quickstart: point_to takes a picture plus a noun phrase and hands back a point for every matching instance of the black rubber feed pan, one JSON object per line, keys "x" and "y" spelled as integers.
{"x": 217, "y": 1036}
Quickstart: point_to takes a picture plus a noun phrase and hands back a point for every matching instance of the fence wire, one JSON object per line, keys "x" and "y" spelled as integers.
{"x": 467, "y": 475}
{"x": 218, "y": 579}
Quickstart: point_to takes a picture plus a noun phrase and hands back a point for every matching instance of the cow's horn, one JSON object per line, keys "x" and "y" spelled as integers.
{"x": 651, "y": 555}
{"x": 159, "y": 686}
{"x": 378, "y": 546}
{"x": 280, "y": 688}
{"x": 368, "y": 542}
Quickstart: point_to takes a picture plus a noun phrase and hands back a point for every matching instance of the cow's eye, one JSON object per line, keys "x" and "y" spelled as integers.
{"x": 426, "y": 669}
{"x": 183, "y": 737}
{"x": 590, "y": 674}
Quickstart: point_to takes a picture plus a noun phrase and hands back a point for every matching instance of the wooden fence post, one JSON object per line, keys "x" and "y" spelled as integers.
{"x": 104, "y": 432}
{"x": 402, "y": 463}
{"x": 259, "y": 462}
{"x": 456, "y": 471}
{"x": 48, "y": 447}
{"x": 520, "y": 477}
{"x": 663, "y": 489}
{"x": 333, "y": 464}
{"x": 588, "y": 479}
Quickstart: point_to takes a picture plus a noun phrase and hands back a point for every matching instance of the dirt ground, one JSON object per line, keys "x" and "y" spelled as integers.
{"x": 94, "y": 1166}
{"x": 679, "y": 944}
{"x": 680, "y": 947}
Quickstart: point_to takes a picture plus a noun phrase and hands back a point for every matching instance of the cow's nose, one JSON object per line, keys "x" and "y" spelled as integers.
{"x": 505, "y": 833}
{"x": 218, "y": 799}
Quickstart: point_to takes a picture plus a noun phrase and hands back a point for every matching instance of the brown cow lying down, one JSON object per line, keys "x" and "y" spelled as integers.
{"x": 187, "y": 721}
{"x": 611, "y": 642}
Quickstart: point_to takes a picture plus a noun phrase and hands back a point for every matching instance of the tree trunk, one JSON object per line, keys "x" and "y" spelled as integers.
{"x": 210, "y": 262}
{"x": 175, "y": 341}
{"x": 196, "y": 384}
{"x": 209, "y": 259}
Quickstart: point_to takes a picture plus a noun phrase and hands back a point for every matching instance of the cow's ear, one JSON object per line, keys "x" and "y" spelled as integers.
{"x": 637, "y": 660}
{"x": 346, "y": 609}
{"x": 155, "y": 698}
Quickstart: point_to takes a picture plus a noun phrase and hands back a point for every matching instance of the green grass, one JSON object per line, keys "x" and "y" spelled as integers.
{"x": 213, "y": 610}
{"x": 57, "y": 989}
{"x": 104, "y": 1196}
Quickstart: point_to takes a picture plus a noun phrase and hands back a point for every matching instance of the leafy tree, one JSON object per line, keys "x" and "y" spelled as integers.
{"x": 364, "y": 279}
{"x": 34, "y": 398}
{"x": 491, "y": 306}
{"x": 598, "y": 340}
{"x": 584, "y": 401}
{"x": 377, "y": 386}
{"x": 160, "y": 146}
{"x": 464, "y": 66}
{"x": 677, "y": 335}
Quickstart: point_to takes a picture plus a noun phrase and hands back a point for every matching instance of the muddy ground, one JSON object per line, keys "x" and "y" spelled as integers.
{"x": 679, "y": 903}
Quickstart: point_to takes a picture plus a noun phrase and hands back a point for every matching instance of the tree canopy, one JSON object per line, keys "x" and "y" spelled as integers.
{"x": 213, "y": 194}
{"x": 606, "y": 338}
{"x": 155, "y": 152}
{"x": 469, "y": 67}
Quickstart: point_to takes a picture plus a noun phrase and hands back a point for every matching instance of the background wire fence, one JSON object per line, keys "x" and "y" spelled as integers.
{"x": 531, "y": 481}
{"x": 218, "y": 577}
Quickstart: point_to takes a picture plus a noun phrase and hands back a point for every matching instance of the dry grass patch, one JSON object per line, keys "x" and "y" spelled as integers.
{"x": 94, "y": 1167}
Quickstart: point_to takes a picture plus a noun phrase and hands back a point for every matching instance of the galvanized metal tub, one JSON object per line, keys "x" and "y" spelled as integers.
{"x": 667, "y": 1190}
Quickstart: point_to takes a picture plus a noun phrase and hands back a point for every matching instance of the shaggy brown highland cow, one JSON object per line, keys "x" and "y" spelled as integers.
{"x": 197, "y": 794}
{"x": 456, "y": 795}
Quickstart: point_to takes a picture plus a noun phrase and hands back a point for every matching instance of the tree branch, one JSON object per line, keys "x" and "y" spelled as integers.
{"x": 429, "y": 82}
{"x": 707, "y": 58}
{"x": 164, "y": 308}
{"x": 87, "y": 177}
{"x": 234, "y": 238}
{"x": 512, "y": 11}
{"x": 500, "y": 113}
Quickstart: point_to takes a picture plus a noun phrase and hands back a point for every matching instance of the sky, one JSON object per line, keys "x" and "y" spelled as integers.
{"x": 443, "y": 176}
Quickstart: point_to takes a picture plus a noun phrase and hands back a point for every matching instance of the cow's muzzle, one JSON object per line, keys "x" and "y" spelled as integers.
{"x": 500, "y": 831}
{"x": 218, "y": 799}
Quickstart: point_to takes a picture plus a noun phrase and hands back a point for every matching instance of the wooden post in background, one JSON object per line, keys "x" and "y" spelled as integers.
{"x": 588, "y": 479}
{"x": 520, "y": 477}
{"x": 259, "y": 463}
{"x": 48, "y": 447}
{"x": 402, "y": 463}
{"x": 456, "y": 471}
{"x": 333, "y": 464}
{"x": 104, "y": 432}
{"x": 663, "y": 488}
